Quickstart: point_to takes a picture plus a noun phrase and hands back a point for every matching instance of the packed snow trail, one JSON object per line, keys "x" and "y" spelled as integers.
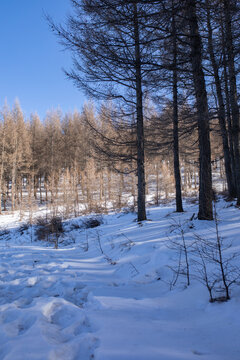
{"x": 42, "y": 307}
{"x": 111, "y": 299}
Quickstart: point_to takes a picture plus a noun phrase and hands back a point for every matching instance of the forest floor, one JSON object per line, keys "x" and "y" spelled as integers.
{"x": 106, "y": 293}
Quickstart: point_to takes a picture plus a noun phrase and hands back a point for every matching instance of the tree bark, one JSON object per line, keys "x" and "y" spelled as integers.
{"x": 229, "y": 119}
{"x": 140, "y": 128}
{"x": 177, "y": 175}
{"x": 233, "y": 94}
{"x": 205, "y": 173}
{"x": 221, "y": 110}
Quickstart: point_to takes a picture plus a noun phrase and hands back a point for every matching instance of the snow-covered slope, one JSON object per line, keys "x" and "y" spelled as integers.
{"x": 107, "y": 295}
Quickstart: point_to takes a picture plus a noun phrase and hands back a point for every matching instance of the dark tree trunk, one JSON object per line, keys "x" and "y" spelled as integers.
{"x": 36, "y": 184}
{"x": 177, "y": 175}
{"x": 221, "y": 110}
{"x": 40, "y": 189}
{"x": 140, "y": 128}
{"x": 233, "y": 94}
{"x": 229, "y": 119}
{"x": 205, "y": 173}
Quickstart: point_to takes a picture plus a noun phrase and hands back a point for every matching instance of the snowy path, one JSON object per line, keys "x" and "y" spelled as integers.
{"x": 42, "y": 307}
{"x": 70, "y": 304}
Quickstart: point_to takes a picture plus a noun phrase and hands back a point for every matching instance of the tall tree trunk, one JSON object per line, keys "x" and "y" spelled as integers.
{"x": 177, "y": 175}
{"x": 205, "y": 173}
{"x": 140, "y": 128}
{"x": 221, "y": 110}
{"x": 229, "y": 119}
{"x": 233, "y": 93}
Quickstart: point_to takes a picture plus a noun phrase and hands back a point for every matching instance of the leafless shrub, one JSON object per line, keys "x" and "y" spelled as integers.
{"x": 128, "y": 243}
{"x": 182, "y": 248}
{"x": 4, "y": 232}
{"x": 98, "y": 238}
{"x": 49, "y": 229}
{"x": 76, "y": 226}
{"x": 92, "y": 222}
{"x": 215, "y": 264}
{"x": 24, "y": 227}
{"x": 212, "y": 260}
{"x": 129, "y": 209}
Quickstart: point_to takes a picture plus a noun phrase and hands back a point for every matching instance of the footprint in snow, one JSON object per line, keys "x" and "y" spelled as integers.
{"x": 23, "y": 302}
{"x": 67, "y": 326}
{"x": 82, "y": 349}
{"x": 18, "y": 326}
{"x": 63, "y": 314}
{"x": 8, "y": 316}
{"x": 199, "y": 353}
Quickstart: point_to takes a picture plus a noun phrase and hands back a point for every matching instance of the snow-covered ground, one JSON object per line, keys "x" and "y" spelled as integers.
{"x": 105, "y": 293}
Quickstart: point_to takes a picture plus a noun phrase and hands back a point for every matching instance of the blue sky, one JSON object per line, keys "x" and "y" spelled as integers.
{"x": 31, "y": 59}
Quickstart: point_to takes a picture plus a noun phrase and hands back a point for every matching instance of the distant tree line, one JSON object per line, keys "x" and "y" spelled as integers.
{"x": 59, "y": 162}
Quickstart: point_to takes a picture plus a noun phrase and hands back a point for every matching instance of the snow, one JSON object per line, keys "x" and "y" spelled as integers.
{"x": 106, "y": 296}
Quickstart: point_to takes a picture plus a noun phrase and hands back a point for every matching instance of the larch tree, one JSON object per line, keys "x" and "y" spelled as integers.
{"x": 112, "y": 60}
{"x": 205, "y": 172}
{"x": 228, "y": 6}
{"x": 220, "y": 99}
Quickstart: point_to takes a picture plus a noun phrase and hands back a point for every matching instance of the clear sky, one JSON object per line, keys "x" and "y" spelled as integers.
{"x": 31, "y": 59}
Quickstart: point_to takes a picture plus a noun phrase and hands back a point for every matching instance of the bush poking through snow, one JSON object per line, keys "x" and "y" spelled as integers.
{"x": 210, "y": 258}
{"x": 76, "y": 226}
{"x": 49, "y": 229}
{"x": 87, "y": 223}
{"x": 92, "y": 222}
{"x": 183, "y": 249}
{"x": 215, "y": 264}
{"x": 24, "y": 227}
{"x": 4, "y": 233}
{"x": 110, "y": 260}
